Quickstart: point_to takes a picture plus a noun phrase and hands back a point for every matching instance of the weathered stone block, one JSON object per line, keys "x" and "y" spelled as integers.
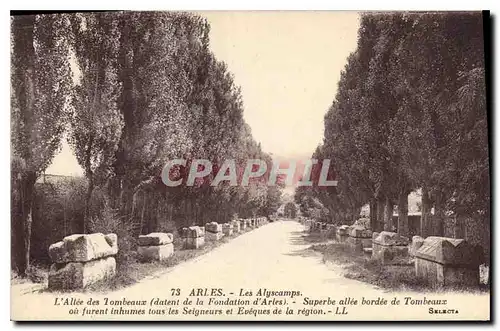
{"x": 438, "y": 274}
{"x": 236, "y": 226}
{"x": 213, "y": 236}
{"x": 416, "y": 243}
{"x": 227, "y": 229}
{"x": 342, "y": 233}
{"x": 243, "y": 224}
{"x": 363, "y": 222}
{"x": 446, "y": 261}
{"x": 155, "y": 239}
{"x": 213, "y": 227}
{"x": 390, "y": 239}
{"x": 342, "y": 230}
{"x": 78, "y": 275}
{"x": 360, "y": 232}
{"x": 390, "y": 248}
{"x": 390, "y": 254}
{"x": 83, "y": 247}
{"x": 194, "y": 243}
{"x": 193, "y": 232}
{"x": 449, "y": 251}
{"x": 155, "y": 253}
{"x": 357, "y": 244}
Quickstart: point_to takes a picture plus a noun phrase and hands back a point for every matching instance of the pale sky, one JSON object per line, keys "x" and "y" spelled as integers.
{"x": 288, "y": 66}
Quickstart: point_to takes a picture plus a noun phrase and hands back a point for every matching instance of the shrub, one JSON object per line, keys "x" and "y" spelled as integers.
{"x": 110, "y": 222}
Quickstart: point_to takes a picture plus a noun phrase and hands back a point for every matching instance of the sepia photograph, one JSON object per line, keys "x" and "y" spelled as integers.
{"x": 250, "y": 166}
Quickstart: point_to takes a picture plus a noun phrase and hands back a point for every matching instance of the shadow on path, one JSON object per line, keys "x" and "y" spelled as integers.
{"x": 301, "y": 238}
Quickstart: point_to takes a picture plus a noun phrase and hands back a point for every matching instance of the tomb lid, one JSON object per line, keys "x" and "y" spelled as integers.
{"x": 449, "y": 251}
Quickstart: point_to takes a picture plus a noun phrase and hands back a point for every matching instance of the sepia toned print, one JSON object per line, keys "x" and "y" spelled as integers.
{"x": 249, "y": 166}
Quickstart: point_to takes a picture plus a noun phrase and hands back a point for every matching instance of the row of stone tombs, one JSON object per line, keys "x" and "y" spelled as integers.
{"x": 80, "y": 260}
{"x": 439, "y": 261}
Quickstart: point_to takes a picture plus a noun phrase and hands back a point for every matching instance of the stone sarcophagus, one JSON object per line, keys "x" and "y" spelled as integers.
{"x": 359, "y": 238}
{"x": 445, "y": 261}
{"x": 213, "y": 231}
{"x": 82, "y": 259}
{"x": 243, "y": 224}
{"x": 331, "y": 231}
{"x": 227, "y": 229}
{"x": 156, "y": 246}
{"x": 342, "y": 233}
{"x": 390, "y": 248}
{"x": 193, "y": 237}
{"x": 236, "y": 226}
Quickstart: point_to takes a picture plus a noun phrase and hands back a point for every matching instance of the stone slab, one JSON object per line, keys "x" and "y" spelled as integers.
{"x": 449, "y": 251}
{"x": 243, "y": 225}
{"x": 363, "y": 222}
{"x": 155, "y": 239}
{"x": 194, "y": 243}
{"x": 390, "y": 254}
{"x": 236, "y": 226}
{"x": 193, "y": 232}
{"x": 213, "y": 227}
{"x": 358, "y": 244}
{"x": 343, "y": 230}
{"x": 212, "y": 236}
{"x": 78, "y": 275}
{"x": 357, "y": 231}
{"x": 387, "y": 238}
{"x": 438, "y": 274}
{"x": 227, "y": 229}
{"x": 84, "y": 247}
{"x": 155, "y": 253}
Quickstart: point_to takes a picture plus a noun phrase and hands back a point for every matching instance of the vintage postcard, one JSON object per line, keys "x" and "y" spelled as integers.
{"x": 250, "y": 166}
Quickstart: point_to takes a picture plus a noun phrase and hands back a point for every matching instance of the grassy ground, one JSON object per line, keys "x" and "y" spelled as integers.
{"x": 361, "y": 267}
{"x": 131, "y": 271}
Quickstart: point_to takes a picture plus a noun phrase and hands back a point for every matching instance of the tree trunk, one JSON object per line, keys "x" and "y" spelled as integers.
{"x": 458, "y": 231}
{"x": 23, "y": 84}
{"x": 388, "y": 211}
{"x": 26, "y": 189}
{"x": 380, "y": 214}
{"x": 88, "y": 197}
{"x": 144, "y": 199}
{"x": 403, "y": 228}
{"x": 373, "y": 213}
{"x": 425, "y": 219}
{"x": 438, "y": 217}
